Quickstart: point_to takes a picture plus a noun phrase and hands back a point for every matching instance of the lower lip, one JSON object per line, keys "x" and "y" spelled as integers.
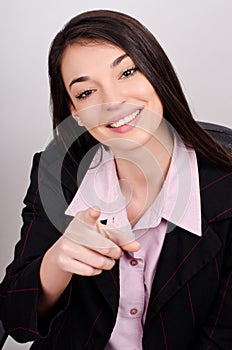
{"x": 127, "y": 127}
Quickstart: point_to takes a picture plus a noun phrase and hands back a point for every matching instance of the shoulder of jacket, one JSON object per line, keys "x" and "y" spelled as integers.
{"x": 215, "y": 190}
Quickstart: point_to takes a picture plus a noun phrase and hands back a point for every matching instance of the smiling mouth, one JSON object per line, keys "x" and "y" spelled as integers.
{"x": 125, "y": 120}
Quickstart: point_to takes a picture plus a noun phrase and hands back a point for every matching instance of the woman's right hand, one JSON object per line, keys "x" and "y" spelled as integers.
{"x": 86, "y": 248}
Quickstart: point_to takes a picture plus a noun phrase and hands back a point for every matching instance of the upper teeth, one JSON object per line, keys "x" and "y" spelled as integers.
{"x": 125, "y": 120}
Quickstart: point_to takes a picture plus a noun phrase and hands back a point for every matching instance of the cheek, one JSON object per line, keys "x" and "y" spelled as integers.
{"x": 146, "y": 92}
{"x": 154, "y": 102}
{"x": 158, "y": 107}
{"x": 142, "y": 91}
{"x": 91, "y": 117}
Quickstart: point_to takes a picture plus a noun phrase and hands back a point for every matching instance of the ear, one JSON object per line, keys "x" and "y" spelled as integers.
{"x": 75, "y": 115}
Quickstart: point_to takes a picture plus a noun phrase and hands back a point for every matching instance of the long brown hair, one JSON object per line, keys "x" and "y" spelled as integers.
{"x": 147, "y": 54}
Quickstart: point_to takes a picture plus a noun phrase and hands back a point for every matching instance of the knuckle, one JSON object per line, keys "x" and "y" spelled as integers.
{"x": 61, "y": 260}
{"x": 117, "y": 252}
{"x": 105, "y": 263}
{"x": 101, "y": 262}
{"x": 91, "y": 271}
{"x": 112, "y": 252}
{"x": 110, "y": 264}
{"x": 64, "y": 243}
{"x": 107, "y": 251}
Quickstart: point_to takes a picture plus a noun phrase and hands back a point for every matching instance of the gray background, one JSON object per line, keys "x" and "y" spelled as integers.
{"x": 196, "y": 35}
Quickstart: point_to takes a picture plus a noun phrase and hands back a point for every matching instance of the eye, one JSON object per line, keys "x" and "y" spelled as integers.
{"x": 84, "y": 94}
{"x": 129, "y": 72}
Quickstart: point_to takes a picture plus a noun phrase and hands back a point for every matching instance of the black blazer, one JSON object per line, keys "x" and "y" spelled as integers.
{"x": 191, "y": 298}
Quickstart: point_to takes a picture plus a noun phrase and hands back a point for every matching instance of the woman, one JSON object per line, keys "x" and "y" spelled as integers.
{"x": 126, "y": 242}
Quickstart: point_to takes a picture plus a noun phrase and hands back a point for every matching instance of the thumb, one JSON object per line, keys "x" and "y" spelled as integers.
{"x": 133, "y": 246}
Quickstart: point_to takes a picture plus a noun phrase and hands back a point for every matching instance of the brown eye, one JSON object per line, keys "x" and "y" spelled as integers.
{"x": 129, "y": 72}
{"x": 85, "y": 94}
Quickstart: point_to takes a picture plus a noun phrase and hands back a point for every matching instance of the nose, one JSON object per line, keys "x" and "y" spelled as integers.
{"x": 112, "y": 98}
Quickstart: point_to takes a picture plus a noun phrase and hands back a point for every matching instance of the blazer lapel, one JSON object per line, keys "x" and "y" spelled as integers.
{"x": 108, "y": 284}
{"x": 182, "y": 256}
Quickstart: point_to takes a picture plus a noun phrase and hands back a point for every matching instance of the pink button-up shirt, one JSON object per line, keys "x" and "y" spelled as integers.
{"x": 178, "y": 202}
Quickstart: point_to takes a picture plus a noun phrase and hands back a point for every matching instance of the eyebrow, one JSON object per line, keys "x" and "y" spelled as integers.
{"x": 79, "y": 80}
{"x": 115, "y": 63}
{"x": 118, "y": 60}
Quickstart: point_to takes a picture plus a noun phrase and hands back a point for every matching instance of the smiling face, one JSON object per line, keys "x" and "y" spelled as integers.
{"x": 109, "y": 95}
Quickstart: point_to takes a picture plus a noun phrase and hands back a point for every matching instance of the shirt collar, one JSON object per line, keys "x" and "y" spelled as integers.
{"x": 178, "y": 201}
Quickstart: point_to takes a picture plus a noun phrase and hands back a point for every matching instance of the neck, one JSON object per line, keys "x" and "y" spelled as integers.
{"x": 142, "y": 171}
{"x": 146, "y": 162}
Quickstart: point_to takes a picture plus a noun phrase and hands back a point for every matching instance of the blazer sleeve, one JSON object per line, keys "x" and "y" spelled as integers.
{"x": 21, "y": 286}
{"x": 216, "y": 332}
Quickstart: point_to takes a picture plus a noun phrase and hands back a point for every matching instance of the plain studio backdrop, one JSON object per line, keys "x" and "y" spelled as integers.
{"x": 196, "y": 36}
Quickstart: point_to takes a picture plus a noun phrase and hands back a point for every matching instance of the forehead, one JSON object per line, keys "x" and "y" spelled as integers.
{"x": 85, "y": 55}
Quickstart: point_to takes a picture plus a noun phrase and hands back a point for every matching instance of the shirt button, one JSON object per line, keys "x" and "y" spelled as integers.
{"x": 133, "y": 311}
{"x": 134, "y": 262}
